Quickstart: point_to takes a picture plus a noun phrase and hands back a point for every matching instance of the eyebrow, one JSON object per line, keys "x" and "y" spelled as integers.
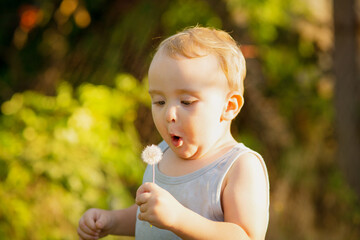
{"x": 179, "y": 91}
{"x": 152, "y": 92}
{"x": 189, "y": 91}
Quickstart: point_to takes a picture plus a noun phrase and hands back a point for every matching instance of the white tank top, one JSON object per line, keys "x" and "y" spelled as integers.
{"x": 199, "y": 191}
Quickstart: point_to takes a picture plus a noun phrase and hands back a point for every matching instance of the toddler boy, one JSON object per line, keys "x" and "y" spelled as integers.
{"x": 208, "y": 186}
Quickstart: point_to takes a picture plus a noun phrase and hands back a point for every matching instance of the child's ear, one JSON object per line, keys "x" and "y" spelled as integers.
{"x": 233, "y": 106}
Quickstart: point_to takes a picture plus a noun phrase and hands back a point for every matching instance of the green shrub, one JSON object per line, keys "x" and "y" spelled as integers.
{"x": 60, "y": 155}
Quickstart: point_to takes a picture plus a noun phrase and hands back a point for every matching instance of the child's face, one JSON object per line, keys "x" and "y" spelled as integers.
{"x": 188, "y": 100}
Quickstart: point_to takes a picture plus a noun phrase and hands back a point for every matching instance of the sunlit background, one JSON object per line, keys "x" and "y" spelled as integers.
{"x": 75, "y": 113}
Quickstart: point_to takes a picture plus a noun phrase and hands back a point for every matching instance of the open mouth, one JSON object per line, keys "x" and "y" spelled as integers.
{"x": 176, "y": 140}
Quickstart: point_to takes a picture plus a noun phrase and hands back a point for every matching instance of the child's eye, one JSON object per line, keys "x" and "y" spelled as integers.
{"x": 187, "y": 102}
{"x": 160, "y": 103}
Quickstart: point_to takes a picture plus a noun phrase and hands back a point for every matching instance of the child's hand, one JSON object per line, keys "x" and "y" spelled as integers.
{"x": 157, "y": 206}
{"x": 94, "y": 224}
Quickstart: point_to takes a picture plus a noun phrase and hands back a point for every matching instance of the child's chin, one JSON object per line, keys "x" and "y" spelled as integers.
{"x": 185, "y": 154}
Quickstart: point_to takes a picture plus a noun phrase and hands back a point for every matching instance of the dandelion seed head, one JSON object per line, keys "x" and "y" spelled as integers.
{"x": 152, "y": 154}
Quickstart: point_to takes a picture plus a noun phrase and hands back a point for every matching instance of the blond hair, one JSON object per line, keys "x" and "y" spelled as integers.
{"x": 200, "y": 41}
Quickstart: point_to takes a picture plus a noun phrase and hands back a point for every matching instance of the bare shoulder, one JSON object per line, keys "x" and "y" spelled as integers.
{"x": 245, "y": 196}
{"x": 247, "y": 176}
{"x": 249, "y": 166}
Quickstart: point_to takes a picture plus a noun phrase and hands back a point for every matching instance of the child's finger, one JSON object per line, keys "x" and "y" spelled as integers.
{"x": 143, "y": 216}
{"x": 102, "y": 221}
{"x": 143, "y": 188}
{"x": 142, "y": 198}
{"x": 84, "y": 235}
{"x": 90, "y": 224}
{"x": 143, "y": 208}
{"x": 88, "y": 227}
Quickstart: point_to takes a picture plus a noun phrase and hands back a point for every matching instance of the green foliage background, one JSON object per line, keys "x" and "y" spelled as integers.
{"x": 75, "y": 109}
{"x": 62, "y": 154}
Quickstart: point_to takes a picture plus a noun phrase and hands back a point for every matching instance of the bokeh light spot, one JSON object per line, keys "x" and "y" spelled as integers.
{"x": 82, "y": 18}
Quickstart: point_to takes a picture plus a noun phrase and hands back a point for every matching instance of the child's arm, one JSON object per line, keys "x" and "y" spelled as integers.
{"x": 244, "y": 202}
{"x": 97, "y": 223}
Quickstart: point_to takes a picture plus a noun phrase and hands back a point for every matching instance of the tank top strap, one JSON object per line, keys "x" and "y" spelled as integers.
{"x": 163, "y": 146}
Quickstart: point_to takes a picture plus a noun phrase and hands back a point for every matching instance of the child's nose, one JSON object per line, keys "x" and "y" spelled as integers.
{"x": 171, "y": 114}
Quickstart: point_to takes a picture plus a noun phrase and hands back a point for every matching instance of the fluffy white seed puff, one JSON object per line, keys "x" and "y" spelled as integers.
{"x": 152, "y": 155}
